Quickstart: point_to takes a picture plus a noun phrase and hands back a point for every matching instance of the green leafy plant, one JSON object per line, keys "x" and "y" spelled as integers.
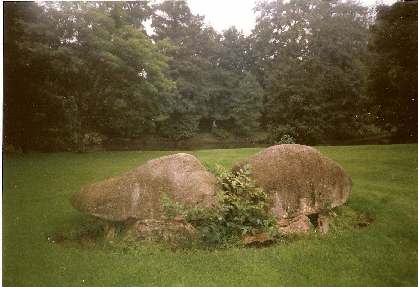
{"x": 171, "y": 208}
{"x": 245, "y": 205}
{"x": 282, "y": 134}
{"x": 242, "y": 209}
{"x": 286, "y": 139}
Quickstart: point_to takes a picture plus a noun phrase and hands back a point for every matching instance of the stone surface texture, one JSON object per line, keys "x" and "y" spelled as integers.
{"x": 136, "y": 194}
{"x": 300, "y": 181}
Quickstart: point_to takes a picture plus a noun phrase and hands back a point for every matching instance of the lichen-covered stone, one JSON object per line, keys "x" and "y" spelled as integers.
{"x": 298, "y": 224}
{"x": 136, "y": 194}
{"x": 258, "y": 239}
{"x": 299, "y": 179}
{"x": 166, "y": 230}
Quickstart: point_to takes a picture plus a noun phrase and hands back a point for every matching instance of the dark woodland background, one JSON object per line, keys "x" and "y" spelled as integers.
{"x": 79, "y": 75}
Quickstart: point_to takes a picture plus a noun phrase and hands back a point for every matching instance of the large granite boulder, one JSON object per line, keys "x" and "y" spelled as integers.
{"x": 300, "y": 180}
{"x": 136, "y": 194}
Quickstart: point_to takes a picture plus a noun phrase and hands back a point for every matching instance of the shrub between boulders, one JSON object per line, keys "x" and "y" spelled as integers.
{"x": 242, "y": 211}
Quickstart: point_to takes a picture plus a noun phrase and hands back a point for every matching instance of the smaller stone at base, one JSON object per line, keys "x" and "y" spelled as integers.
{"x": 299, "y": 224}
{"x": 323, "y": 223}
{"x": 162, "y": 230}
{"x": 258, "y": 239}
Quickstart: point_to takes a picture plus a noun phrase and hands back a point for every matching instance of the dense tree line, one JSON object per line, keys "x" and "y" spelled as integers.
{"x": 83, "y": 72}
{"x": 393, "y": 80}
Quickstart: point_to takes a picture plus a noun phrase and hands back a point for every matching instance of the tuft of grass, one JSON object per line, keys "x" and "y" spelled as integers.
{"x": 373, "y": 240}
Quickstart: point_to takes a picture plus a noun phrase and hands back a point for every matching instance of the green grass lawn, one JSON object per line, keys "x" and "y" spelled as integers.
{"x": 36, "y": 193}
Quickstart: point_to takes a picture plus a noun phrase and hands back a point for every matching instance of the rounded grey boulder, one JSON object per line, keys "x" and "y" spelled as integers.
{"x": 299, "y": 179}
{"x": 136, "y": 194}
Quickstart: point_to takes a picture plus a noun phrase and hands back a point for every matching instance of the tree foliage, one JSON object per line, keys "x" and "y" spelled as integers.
{"x": 393, "y": 85}
{"x": 92, "y": 69}
{"x": 312, "y": 64}
{"x": 81, "y": 70}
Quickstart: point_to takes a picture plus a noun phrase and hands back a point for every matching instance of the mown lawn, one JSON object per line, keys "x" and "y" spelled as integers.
{"x": 37, "y": 187}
